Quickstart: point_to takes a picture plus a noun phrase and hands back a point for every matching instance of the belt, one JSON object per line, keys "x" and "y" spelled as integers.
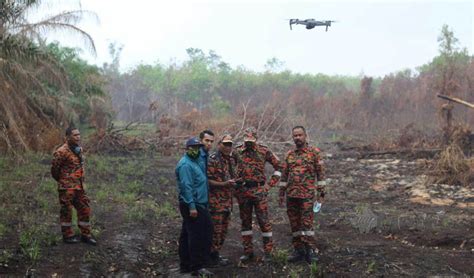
{"x": 250, "y": 184}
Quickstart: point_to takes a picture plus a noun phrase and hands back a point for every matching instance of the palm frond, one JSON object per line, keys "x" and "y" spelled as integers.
{"x": 13, "y": 11}
{"x": 65, "y": 21}
{"x": 18, "y": 48}
{"x": 21, "y": 52}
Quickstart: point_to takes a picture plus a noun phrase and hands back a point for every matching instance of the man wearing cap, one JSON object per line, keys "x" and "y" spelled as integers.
{"x": 303, "y": 170}
{"x": 252, "y": 194}
{"x": 196, "y": 232}
{"x": 221, "y": 173}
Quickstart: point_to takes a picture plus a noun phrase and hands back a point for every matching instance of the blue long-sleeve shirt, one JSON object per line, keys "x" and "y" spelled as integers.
{"x": 203, "y": 158}
{"x": 192, "y": 183}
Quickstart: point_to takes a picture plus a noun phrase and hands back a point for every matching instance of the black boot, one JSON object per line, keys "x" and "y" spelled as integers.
{"x": 202, "y": 273}
{"x": 267, "y": 258}
{"x": 246, "y": 257}
{"x": 217, "y": 260}
{"x": 223, "y": 261}
{"x": 71, "y": 240}
{"x": 311, "y": 255}
{"x": 297, "y": 255}
{"x": 213, "y": 259}
{"x": 89, "y": 240}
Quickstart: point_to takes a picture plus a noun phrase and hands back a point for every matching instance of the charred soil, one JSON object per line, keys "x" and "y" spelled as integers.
{"x": 380, "y": 218}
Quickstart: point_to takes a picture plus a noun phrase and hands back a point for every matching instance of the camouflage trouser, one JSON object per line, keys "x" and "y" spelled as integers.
{"x": 246, "y": 206}
{"x": 300, "y": 213}
{"x": 69, "y": 198}
{"x": 220, "y": 221}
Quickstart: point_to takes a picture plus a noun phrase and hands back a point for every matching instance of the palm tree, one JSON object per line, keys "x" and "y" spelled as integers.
{"x": 29, "y": 114}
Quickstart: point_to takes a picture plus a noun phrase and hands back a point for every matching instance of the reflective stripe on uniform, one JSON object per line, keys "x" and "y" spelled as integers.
{"x": 66, "y": 224}
{"x": 84, "y": 223}
{"x": 298, "y": 233}
{"x": 247, "y": 233}
{"x": 268, "y": 234}
{"x": 307, "y": 233}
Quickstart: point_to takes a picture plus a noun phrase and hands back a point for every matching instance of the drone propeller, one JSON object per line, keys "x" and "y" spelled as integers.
{"x": 292, "y": 21}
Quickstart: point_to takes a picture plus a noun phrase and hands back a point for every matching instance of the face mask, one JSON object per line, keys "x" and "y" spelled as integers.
{"x": 76, "y": 150}
{"x": 193, "y": 153}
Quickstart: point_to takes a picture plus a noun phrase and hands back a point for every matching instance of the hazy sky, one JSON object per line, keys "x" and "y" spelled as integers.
{"x": 373, "y": 37}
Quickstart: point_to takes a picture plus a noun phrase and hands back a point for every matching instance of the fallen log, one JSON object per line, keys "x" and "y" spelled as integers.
{"x": 457, "y": 100}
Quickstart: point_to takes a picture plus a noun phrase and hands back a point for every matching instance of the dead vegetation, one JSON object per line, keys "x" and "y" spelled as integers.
{"x": 451, "y": 167}
{"x": 113, "y": 140}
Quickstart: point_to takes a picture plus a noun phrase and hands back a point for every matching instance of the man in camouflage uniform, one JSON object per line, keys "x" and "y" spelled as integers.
{"x": 252, "y": 193}
{"x": 221, "y": 173}
{"x": 304, "y": 173}
{"x": 68, "y": 170}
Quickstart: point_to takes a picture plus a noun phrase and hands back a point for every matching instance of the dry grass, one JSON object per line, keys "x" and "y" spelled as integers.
{"x": 452, "y": 167}
{"x": 113, "y": 141}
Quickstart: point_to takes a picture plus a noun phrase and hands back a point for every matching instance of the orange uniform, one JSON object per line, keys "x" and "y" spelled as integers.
{"x": 252, "y": 194}
{"x": 304, "y": 172}
{"x": 67, "y": 168}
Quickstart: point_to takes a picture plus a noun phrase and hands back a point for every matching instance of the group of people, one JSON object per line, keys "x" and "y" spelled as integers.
{"x": 208, "y": 183}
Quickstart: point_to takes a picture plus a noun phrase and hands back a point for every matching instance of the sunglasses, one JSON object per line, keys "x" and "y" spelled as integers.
{"x": 227, "y": 144}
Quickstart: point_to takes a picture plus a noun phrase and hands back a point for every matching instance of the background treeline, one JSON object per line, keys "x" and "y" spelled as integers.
{"x": 205, "y": 90}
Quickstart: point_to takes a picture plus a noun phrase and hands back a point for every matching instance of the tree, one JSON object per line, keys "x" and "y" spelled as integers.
{"x": 26, "y": 67}
{"x": 274, "y": 65}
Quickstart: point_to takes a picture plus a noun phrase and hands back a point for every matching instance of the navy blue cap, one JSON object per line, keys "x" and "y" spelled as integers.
{"x": 193, "y": 141}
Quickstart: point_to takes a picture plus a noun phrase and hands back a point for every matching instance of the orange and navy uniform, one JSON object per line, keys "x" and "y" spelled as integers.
{"x": 303, "y": 171}
{"x": 220, "y": 168}
{"x": 67, "y": 168}
{"x": 252, "y": 193}
{"x": 252, "y": 169}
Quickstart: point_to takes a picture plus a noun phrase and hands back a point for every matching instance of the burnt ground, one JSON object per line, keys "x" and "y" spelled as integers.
{"x": 379, "y": 219}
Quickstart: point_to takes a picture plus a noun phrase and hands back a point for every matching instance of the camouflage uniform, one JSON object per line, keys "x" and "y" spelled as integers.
{"x": 220, "y": 169}
{"x": 301, "y": 169}
{"x": 252, "y": 193}
{"x": 68, "y": 170}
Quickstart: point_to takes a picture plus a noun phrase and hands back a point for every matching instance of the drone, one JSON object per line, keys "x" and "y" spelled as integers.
{"x": 311, "y": 23}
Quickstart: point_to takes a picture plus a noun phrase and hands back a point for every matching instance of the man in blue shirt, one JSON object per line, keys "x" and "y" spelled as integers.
{"x": 196, "y": 232}
{"x": 207, "y": 138}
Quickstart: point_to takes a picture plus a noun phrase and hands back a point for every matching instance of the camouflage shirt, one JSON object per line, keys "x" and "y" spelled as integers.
{"x": 221, "y": 169}
{"x": 301, "y": 169}
{"x": 251, "y": 167}
{"x": 67, "y": 168}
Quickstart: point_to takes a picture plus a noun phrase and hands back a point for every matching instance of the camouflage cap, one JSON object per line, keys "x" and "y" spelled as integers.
{"x": 250, "y": 134}
{"x": 226, "y": 138}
